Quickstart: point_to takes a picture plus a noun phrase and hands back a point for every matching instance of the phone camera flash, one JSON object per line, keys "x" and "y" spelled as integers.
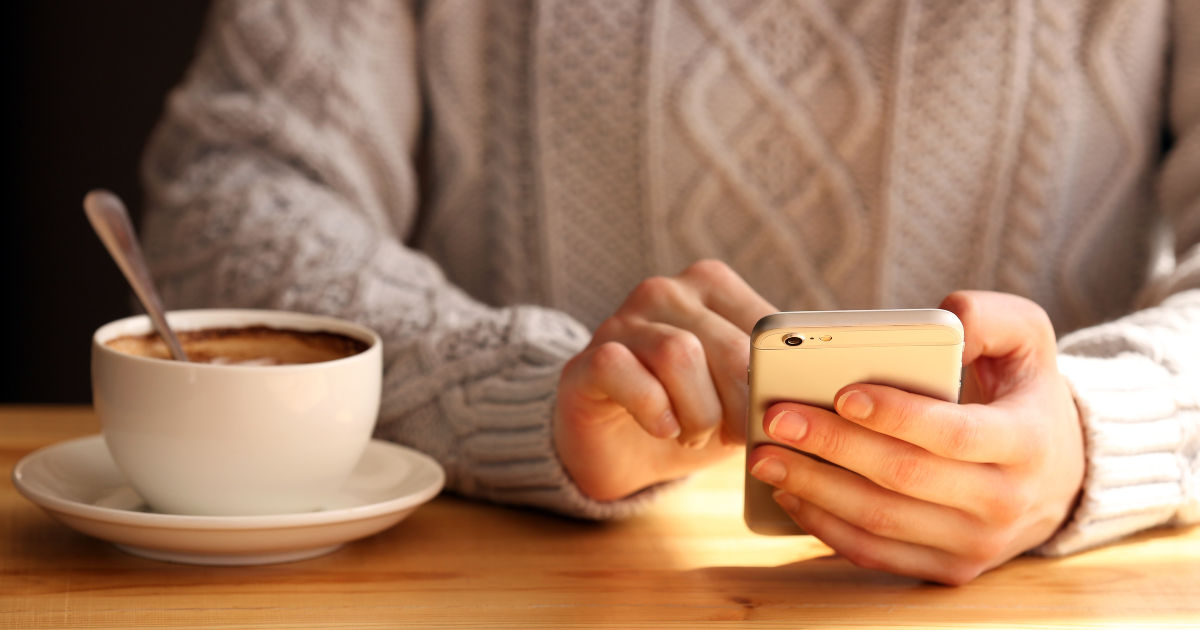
{"x": 826, "y": 338}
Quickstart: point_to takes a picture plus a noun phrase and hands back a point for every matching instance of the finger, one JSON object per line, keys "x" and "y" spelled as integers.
{"x": 862, "y": 503}
{"x": 968, "y": 433}
{"x": 726, "y": 293}
{"x": 891, "y": 463}
{"x": 727, "y": 347}
{"x": 1002, "y": 325}
{"x": 712, "y": 302}
{"x": 677, "y": 359}
{"x": 869, "y": 551}
{"x": 682, "y": 304}
{"x": 608, "y": 375}
{"x": 728, "y": 355}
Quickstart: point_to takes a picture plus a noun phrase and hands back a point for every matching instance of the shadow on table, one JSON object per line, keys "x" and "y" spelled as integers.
{"x": 1093, "y": 585}
{"x": 824, "y": 571}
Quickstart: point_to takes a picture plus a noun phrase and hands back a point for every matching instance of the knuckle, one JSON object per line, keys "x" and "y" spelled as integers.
{"x": 881, "y": 521}
{"x": 996, "y": 508}
{"x": 653, "y": 292}
{"x": 1040, "y": 319}
{"x": 643, "y": 404}
{"x": 986, "y": 548}
{"x": 908, "y": 472}
{"x": 680, "y": 348}
{"x": 1039, "y": 325}
{"x": 961, "y": 436}
{"x": 1007, "y": 504}
{"x": 902, "y": 415}
{"x": 709, "y": 269}
{"x": 798, "y": 483}
{"x": 1044, "y": 322}
{"x": 829, "y": 443}
{"x": 608, "y": 356}
{"x": 1025, "y": 501}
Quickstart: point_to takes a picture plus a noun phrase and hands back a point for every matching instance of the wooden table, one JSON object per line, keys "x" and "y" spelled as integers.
{"x": 464, "y": 564}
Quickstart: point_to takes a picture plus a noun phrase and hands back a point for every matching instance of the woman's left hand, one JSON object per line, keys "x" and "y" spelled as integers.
{"x": 943, "y": 491}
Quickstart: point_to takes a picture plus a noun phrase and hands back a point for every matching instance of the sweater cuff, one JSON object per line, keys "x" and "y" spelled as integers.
{"x": 493, "y": 433}
{"x": 1135, "y": 429}
{"x": 521, "y": 467}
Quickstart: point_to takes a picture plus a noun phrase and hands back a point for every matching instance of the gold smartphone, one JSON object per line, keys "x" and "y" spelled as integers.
{"x": 806, "y": 357}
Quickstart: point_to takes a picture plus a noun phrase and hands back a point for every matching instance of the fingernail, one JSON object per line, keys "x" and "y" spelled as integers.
{"x": 789, "y": 426}
{"x": 788, "y": 502}
{"x": 769, "y": 470}
{"x": 669, "y": 426}
{"x": 856, "y": 405}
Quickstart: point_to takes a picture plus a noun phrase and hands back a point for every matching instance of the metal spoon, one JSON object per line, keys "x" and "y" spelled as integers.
{"x": 110, "y": 220}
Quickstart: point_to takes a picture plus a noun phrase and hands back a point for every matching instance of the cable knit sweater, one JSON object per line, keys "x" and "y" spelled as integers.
{"x": 482, "y": 182}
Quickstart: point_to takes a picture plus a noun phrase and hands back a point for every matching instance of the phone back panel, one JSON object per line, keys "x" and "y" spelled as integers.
{"x": 922, "y": 358}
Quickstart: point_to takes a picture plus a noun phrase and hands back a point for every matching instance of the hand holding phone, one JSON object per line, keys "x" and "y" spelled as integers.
{"x": 942, "y": 491}
{"x": 806, "y": 357}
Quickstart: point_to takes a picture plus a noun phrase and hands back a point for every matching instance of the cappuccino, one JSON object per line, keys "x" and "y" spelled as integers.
{"x": 250, "y": 345}
{"x": 229, "y": 440}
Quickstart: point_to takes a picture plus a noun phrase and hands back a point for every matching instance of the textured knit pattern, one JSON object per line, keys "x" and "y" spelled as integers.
{"x": 482, "y": 182}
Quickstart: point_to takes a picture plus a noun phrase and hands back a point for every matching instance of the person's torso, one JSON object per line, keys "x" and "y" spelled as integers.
{"x": 865, "y": 154}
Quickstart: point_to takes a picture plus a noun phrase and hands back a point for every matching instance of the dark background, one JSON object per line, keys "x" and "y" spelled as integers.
{"x": 84, "y": 83}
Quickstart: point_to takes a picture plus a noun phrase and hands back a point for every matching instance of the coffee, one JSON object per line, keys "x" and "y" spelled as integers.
{"x": 250, "y": 345}
{"x": 226, "y": 440}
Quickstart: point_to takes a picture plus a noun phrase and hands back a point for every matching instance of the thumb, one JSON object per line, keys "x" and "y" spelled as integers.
{"x": 1007, "y": 339}
{"x": 1000, "y": 325}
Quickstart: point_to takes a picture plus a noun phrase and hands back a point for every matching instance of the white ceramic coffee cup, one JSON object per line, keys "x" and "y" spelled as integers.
{"x": 233, "y": 440}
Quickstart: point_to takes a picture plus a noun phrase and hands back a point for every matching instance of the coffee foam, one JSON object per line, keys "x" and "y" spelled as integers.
{"x": 251, "y": 345}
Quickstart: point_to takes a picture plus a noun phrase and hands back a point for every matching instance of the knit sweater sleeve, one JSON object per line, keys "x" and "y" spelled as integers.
{"x": 1136, "y": 380}
{"x": 282, "y": 177}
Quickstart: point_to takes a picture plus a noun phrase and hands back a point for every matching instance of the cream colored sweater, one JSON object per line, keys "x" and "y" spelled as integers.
{"x": 484, "y": 181}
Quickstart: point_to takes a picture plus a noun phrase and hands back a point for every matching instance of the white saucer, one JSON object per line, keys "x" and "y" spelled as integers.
{"x": 77, "y": 483}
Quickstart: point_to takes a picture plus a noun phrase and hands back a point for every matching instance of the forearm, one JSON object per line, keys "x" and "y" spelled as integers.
{"x": 281, "y": 179}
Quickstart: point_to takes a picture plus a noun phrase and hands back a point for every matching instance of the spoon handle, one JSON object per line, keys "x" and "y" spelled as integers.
{"x": 110, "y": 220}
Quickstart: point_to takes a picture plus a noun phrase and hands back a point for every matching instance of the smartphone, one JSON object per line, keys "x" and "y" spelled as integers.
{"x": 806, "y": 357}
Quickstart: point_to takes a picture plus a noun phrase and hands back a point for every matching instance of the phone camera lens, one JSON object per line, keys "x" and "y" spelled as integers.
{"x": 793, "y": 340}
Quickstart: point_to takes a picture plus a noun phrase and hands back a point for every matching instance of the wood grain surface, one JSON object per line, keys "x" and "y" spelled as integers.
{"x": 458, "y": 563}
